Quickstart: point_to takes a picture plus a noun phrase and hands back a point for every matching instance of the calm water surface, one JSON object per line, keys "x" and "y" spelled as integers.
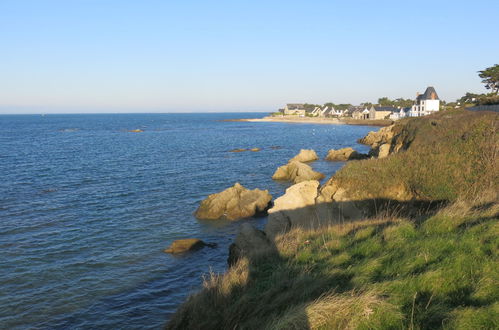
{"x": 86, "y": 209}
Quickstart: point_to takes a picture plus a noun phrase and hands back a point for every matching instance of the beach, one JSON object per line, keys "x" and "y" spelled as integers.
{"x": 317, "y": 120}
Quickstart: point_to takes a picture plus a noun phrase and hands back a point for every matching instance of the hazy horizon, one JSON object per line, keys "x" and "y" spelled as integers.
{"x": 88, "y": 56}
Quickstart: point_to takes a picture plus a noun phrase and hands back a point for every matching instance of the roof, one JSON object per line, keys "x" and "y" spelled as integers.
{"x": 355, "y": 107}
{"x": 429, "y": 94}
{"x": 392, "y": 109}
{"x": 294, "y": 106}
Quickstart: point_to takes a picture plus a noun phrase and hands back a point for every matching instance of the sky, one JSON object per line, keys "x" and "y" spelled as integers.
{"x": 74, "y": 56}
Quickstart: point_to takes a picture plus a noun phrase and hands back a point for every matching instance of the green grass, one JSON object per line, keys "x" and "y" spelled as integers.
{"x": 442, "y": 272}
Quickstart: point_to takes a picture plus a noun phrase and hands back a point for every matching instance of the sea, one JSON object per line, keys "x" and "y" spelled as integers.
{"x": 88, "y": 207}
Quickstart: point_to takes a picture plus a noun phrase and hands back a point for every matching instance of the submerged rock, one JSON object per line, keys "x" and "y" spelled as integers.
{"x": 136, "y": 131}
{"x": 186, "y": 245}
{"x": 296, "y": 172}
{"x": 255, "y": 149}
{"x": 344, "y": 154}
{"x": 305, "y": 155}
{"x": 238, "y": 150}
{"x": 249, "y": 242}
{"x": 234, "y": 203}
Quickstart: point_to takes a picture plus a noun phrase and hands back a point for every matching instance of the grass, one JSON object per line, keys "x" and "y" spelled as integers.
{"x": 448, "y": 155}
{"x": 386, "y": 273}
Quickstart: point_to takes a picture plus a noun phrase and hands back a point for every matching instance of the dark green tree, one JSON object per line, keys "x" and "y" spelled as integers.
{"x": 490, "y": 77}
{"x": 385, "y": 102}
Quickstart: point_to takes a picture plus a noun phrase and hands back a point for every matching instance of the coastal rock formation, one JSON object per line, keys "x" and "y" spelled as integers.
{"x": 380, "y": 141}
{"x": 296, "y": 208}
{"x": 238, "y": 150}
{"x": 305, "y": 155}
{"x": 255, "y": 149}
{"x": 249, "y": 242}
{"x": 375, "y": 139}
{"x": 384, "y": 150}
{"x": 344, "y": 154}
{"x": 234, "y": 203}
{"x": 136, "y": 131}
{"x": 186, "y": 245}
{"x": 296, "y": 172}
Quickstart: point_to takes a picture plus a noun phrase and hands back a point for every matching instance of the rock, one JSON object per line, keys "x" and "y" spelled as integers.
{"x": 238, "y": 150}
{"x": 255, "y": 149}
{"x": 234, "y": 203}
{"x": 136, "y": 131}
{"x": 344, "y": 154}
{"x": 249, "y": 242}
{"x": 305, "y": 155}
{"x": 384, "y": 150}
{"x": 296, "y": 172}
{"x": 374, "y": 139}
{"x": 185, "y": 245}
{"x": 384, "y": 141}
{"x": 296, "y": 208}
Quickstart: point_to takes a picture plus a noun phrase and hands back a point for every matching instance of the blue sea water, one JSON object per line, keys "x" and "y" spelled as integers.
{"x": 87, "y": 208}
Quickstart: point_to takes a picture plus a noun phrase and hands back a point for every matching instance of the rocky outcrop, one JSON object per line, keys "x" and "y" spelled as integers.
{"x": 249, "y": 242}
{"x": 375, "y": 139}
{"x": 384, "y": 150}
{"x": 186, "y": 245}
{"x": 296, "y": 172}
{"x": 344, "y": 154}
{"x": 234, "y": 203}
{"x": 380, "y": 141}
{"x": 296, "y": 208}
{"x": 305, "y": 155}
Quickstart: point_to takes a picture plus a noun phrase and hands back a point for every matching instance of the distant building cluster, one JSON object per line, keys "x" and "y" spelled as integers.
{"x": 424, "y": 104}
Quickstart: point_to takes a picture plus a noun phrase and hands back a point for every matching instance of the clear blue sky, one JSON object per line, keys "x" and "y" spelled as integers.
{"x": 169, "y": 56}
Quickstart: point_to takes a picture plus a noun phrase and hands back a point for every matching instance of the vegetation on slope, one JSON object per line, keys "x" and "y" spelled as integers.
{"x": 447, "y": 156}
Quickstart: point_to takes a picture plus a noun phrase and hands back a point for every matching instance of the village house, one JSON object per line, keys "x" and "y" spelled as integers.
{"x": 335, "y": 112}
{"x": 381, "y": 112}
{"x": 294, "y": 109}
{"x": 401, "y": 113}
{"x": 426, "y": 103}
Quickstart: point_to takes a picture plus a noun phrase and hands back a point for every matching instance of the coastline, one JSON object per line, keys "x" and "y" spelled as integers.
{"x": 309, "y": 270}
{"x": 316, "y": 120}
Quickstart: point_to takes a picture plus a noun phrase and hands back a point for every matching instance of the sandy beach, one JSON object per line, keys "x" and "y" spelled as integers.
{"x": 316, "y": 120}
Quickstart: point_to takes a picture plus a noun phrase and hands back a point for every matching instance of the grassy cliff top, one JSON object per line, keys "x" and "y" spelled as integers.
{"x": 445, "y": 156}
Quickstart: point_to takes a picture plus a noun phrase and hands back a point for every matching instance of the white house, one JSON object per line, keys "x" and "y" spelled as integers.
{"x": 426, "y": 103}
{"x": 323, "y": 111}
{"x": 402, "y": 113}
{"x": 316, "y": 112}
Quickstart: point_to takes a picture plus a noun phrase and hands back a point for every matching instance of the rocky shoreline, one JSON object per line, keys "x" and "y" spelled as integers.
{"x": 305, "y": 204}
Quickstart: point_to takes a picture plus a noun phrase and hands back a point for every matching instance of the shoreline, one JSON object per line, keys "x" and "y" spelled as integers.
{"x": 315, "y": 120}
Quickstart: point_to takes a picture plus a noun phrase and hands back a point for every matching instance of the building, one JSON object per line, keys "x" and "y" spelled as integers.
{"x": 426, "y": 103}
{"x": 401, "y": 113}
{"x": 294, "y": 109}
{"x": 381, "y": 112}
